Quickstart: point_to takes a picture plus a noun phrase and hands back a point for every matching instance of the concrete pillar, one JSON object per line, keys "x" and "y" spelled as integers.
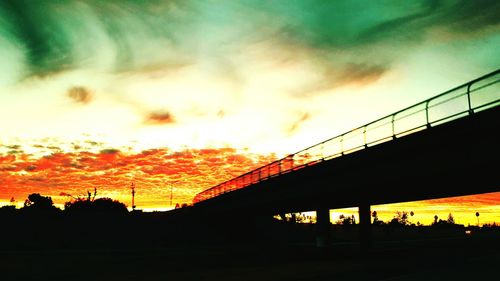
{"x": 365, "y": 225}
{"x": 322, "y": 227}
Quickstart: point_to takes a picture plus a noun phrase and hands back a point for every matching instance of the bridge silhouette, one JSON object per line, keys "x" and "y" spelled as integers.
{"x": 441, "y": 147}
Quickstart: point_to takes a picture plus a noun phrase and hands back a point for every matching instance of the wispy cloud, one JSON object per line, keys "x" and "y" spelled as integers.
{"x": 297, "y": 123}
{"x": 127, "y": 35}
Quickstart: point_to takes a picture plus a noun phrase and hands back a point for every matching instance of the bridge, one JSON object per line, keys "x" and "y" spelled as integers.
{"x": 441, "y": 147}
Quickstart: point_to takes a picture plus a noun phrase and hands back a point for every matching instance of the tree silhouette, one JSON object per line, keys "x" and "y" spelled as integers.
{"x": 346, "y": 220}
{"x": 376, "y": 220}
{"x": 449, "y": 222}
{"x": 451, "y": 219}
{"x": 7, "y": 210}
{"x": 78, "y": 205}
{"x": 401, "y": 218}
{"x": 109, "y": 205}
{"x": 38, "y": 202}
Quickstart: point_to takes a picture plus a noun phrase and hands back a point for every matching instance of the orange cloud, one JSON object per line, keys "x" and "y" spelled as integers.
{"x": 157, "y": 171}
{"x": 111, "y": 172}
{"x": 160, "y": 117}
{"x": 80, "y": 94}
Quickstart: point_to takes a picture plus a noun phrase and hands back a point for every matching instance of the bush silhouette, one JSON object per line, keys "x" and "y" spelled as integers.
{"x": 39, "y": 203}
{"x": 99, "y": 205}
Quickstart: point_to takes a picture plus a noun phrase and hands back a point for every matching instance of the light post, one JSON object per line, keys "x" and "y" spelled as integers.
{"x": 132, "y": 186}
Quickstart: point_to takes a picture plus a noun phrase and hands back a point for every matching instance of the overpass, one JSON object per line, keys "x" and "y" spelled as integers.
{"x": 442, "y": 147}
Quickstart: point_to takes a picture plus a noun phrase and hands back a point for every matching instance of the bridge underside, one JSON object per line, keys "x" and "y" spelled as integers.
{"x": 452, "y": 159}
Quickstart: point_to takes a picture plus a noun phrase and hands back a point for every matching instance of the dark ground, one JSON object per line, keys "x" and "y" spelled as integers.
{"x": 453, "y": 260}
{"x": 88, "y": 250}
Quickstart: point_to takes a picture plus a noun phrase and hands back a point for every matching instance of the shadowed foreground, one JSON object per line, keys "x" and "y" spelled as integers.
{"x": 270, "y": 250}
{"x": 453, "y": 261}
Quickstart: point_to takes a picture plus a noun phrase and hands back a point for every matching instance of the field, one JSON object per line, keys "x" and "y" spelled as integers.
{"x": 404, "y": 254}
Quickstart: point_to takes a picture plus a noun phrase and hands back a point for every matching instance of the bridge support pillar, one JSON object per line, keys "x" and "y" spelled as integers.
{"x": 322, "y": 227}
{"x": 365, "y": 231}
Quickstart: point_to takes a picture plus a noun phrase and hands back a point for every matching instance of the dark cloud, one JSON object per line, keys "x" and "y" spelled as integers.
{"x": 30, "y": 168}
{"x": 110, "y": 151}
{"x": 360, "y": 73}
{"x": 159, "y": 118}
{"x": 348, "y": 24}
{"x": 60, "y": 35}
{"x": 396, "y": 29}
{"x": 456, "y": 17}
{"x": 38, "y": 30}
{"x": 357, "y": 74}
{"x": 465, "y": 16}
{"x": 93, "y": 143}
{"x": 14, "y": 146}
{"x": 80, "y": 94}
{"x": 13, "y": 152}
{"x": 367, "y": 37}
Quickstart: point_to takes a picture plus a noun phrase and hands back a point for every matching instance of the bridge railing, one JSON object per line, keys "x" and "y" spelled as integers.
{"x": 473, "y": 96}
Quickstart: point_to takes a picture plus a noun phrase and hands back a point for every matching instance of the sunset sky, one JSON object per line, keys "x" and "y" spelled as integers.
{"x": 179, "y": 95}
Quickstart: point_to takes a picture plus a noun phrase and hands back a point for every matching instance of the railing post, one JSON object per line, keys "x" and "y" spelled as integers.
{"x": 364, "y": 136}
{"x": 342, "y": 144}
{"x": 393, "y": 130}
{"x": 428, "y": 125}
{"x": 468, "y": 99}
{"x": 322, "y": 151}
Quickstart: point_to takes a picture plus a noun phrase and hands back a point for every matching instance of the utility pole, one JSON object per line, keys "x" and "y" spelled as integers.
{"x": 132, "y": 185}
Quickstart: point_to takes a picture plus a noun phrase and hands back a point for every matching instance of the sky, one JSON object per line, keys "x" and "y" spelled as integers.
{"x": 178, "y": 96}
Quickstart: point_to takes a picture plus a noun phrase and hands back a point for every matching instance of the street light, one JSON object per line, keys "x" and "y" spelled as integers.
{"x": 132, "y": 186}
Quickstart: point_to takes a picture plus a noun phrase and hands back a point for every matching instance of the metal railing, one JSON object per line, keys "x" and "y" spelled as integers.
{"x": 464, "y": 100}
